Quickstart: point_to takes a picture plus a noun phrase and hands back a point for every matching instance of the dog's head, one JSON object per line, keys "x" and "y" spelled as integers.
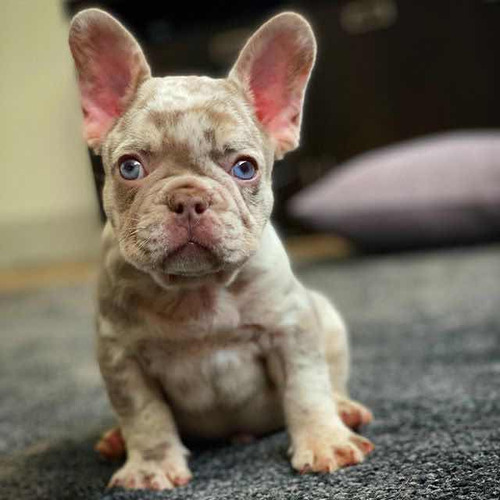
{"x": 188, "y": 160}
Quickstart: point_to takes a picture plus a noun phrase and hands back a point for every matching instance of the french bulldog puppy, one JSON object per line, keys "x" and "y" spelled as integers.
{"x": 203, "y": 329}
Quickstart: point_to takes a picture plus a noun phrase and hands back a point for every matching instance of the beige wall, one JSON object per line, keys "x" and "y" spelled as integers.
{"x": 48, "y": 210}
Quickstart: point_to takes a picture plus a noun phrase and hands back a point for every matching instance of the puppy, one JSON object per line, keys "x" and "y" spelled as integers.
{"x": 203, "y": 329}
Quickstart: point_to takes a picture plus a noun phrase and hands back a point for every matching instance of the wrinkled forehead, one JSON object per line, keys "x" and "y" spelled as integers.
{"x": 198, "y": 114}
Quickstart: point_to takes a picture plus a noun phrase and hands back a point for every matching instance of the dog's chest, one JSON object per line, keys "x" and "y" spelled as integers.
{"x": 200, "y": 377}
{"x": 212, "y": 359}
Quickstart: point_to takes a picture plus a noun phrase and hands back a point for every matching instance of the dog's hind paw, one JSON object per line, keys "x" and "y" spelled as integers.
{"x": 352, "y": 413}
{"x": 111, "y": 445}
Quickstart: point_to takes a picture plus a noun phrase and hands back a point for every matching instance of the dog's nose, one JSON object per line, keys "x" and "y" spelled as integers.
{"x": 188, "y": 205}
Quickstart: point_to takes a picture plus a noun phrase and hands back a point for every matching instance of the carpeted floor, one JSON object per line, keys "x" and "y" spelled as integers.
{"x": 426, "y": 352}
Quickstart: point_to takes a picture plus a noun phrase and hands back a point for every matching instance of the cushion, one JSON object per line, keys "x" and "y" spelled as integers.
{"x": 437, "y": 190}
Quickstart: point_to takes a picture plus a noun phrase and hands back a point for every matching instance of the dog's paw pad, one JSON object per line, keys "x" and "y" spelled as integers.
{"x": 111, "y": 445}
{"x": 353, "y": 414}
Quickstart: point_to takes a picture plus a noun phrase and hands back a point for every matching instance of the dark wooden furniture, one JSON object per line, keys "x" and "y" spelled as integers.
{"x": 387, "y": 70}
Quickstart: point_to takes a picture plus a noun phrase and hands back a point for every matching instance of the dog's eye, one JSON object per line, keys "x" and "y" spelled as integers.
{"x": 131, "y": 169}
{"x": 244, "y": 170}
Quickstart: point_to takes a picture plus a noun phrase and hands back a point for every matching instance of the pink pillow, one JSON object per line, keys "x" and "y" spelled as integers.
{"x": 436, "y": 190}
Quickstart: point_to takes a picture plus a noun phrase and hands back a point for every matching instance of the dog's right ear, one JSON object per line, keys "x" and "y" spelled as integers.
{"x": 273, "y": 69}
{"x": 110, "y": 66}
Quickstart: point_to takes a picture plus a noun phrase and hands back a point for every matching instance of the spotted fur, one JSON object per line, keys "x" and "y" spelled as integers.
{"x": 203, "y": 330}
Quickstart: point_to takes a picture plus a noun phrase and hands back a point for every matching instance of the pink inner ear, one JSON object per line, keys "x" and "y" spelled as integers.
{"x": 109, "y": 68}
{"x": 268, "y": 80}
{"x": 104, "y": 86}
{"x": 277, "y": 80}
{"x": 102, "y": 91}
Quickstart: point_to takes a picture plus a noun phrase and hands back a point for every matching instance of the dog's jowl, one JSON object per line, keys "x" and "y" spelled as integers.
{"x": 203, "y": 330}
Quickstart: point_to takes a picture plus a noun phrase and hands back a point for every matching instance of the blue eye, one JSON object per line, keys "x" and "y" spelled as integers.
{"x": 244, "y": 170}
{"x": 131, "y": 169}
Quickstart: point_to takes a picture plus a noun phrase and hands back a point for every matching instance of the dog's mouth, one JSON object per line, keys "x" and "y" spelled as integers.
{"x": 190, "y": 264}
{"x": 191, "y": 259}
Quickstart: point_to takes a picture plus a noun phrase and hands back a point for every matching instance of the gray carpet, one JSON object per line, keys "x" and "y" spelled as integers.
{"x": 426, "y": 351}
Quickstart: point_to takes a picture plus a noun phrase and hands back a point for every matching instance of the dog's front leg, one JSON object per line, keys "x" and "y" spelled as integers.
{"x": 320, "y": 442}
{"x": 156, "y": 458}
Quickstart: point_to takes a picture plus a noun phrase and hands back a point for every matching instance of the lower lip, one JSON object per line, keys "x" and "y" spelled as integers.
{"x": 188, "y": 260}
{"x": 190, "y": 249}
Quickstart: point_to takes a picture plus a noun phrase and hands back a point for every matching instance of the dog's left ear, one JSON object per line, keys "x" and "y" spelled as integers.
{"x": 111, "y": 66}
{"x": 273, "y": 68}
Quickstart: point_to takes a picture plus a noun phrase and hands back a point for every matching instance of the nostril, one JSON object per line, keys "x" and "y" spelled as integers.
{"x": 200, "y": 207}
{"x": 179, "y": 208}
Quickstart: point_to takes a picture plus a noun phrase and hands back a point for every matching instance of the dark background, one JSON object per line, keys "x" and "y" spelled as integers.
{"x": 387, "y": 70}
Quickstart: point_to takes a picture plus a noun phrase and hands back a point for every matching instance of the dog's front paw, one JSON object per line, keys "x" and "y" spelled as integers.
{"x": 138, "y": 475}
{"x": 152, "y": 475}
{"x": 328, "y": 450}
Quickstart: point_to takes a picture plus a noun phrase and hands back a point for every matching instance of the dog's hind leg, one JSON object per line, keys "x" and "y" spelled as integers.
{"x": 336, "y": 343}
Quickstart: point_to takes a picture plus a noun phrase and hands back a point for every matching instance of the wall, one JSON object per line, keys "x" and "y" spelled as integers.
{"x": 48, "y": 209}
